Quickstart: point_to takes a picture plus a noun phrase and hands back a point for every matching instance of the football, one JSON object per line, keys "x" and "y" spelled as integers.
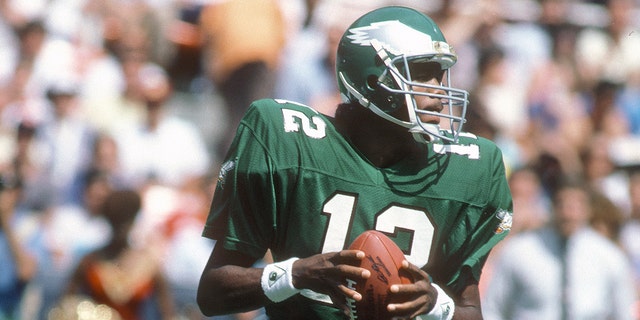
{"x": 384, "y": 260}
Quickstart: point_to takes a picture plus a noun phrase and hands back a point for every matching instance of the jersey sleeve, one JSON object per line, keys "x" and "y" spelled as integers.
{"x": 496, "y": 218}
{"x": 477, "y": 214}
{"x": 242, "y": 213}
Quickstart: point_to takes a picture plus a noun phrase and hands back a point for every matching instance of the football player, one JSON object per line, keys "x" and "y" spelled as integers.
{"x": 394, "y": 159}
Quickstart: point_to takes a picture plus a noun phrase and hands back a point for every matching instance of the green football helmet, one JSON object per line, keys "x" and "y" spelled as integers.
{"x": 373, "y": 69}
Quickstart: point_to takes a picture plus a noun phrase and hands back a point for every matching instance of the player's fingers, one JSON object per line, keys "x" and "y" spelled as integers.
{"x": 411, "y": 289}
{"x": 343, "y": 298}
{"x": 415, "y": 272}
{"x": 352, "y": 272}
{"x": 350, "y": 292}
{"x": 409, "y": 309}
{"x": 348, "y": 256}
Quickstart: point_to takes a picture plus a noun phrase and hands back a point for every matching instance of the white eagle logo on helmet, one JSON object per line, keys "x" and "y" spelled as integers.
{"x": 398, "y": 38}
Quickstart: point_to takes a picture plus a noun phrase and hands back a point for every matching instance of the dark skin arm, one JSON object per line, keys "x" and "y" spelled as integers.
{"x": 468, "y": 304}
{"x": 420, "y": 296}
{"x": 229, "y": 284}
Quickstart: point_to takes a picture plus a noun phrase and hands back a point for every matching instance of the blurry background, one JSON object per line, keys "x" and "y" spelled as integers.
{"x": 104, "y": 95}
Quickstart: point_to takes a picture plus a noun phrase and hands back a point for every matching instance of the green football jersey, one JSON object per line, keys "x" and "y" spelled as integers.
{"x": 293, "y": 184}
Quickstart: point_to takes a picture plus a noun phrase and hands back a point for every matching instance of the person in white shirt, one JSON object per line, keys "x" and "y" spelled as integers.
{"x": 562, "y": 271}
{"x": 163, "y": 148}
{"x": 68, "y": 232}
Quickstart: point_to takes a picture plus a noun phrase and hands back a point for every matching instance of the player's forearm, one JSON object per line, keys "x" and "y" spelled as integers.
{"x": 230, "y": 289}
{"x": 446, "y": 307}
{"x": 468, "y": 304}
{"x": 467, "y": 313}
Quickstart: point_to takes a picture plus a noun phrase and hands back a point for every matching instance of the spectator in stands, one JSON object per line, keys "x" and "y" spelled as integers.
{"x": 66, "y": 141}
{"x": 243, "y": 41}
{"x": 307, "y": 68}
{"x": 610, "y": 52}
{"x": 602, "y": 174}
{"x": 17, "y": 261}
{"x": 531, "y": 202}
{"x": 606, "y": 218}
{"x": 630, "y": 232}
{"x": 565, "y": 270}
{"x": 163, "y": 148}
{"x": 27, "y": 165}
{"x": 186, "y": 251}
{"x": 105, "y": 159}
{"x": 125, "y": 278}
{"x": 69, "y": 232}
{"x": 556, "y": 108}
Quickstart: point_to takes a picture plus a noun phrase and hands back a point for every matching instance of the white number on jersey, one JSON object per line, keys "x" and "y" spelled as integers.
{"x": 340, "y": 209}
{"x": 294, "y": 120}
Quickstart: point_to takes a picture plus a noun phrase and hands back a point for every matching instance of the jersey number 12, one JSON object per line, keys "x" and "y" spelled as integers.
{"x": 340, "y": 209}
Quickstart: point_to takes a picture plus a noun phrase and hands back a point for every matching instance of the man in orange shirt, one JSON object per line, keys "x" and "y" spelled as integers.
{"x": 243, "y": 40}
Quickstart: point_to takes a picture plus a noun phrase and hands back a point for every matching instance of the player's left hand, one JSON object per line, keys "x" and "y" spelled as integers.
{"x": 417, "y": 298}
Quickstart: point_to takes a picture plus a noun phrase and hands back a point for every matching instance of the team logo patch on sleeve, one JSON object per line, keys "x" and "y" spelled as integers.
{"x": 224, "y": 170}
{"x": 506, "y": 220}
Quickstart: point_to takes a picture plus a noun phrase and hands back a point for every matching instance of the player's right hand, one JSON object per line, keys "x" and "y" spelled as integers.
{"x": 419, "y": 297}
{"x": 327, "y": 273}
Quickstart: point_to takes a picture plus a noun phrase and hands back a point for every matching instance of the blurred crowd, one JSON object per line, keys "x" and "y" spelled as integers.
{"x": 114, "y": 106}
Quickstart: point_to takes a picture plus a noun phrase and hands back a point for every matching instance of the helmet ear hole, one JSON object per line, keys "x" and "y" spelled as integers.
{"x": 372, "y": 82}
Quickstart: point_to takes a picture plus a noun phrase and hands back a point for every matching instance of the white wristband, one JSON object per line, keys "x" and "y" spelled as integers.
{"x": 443, "y": 309}
{"x": 277, "y": 280}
